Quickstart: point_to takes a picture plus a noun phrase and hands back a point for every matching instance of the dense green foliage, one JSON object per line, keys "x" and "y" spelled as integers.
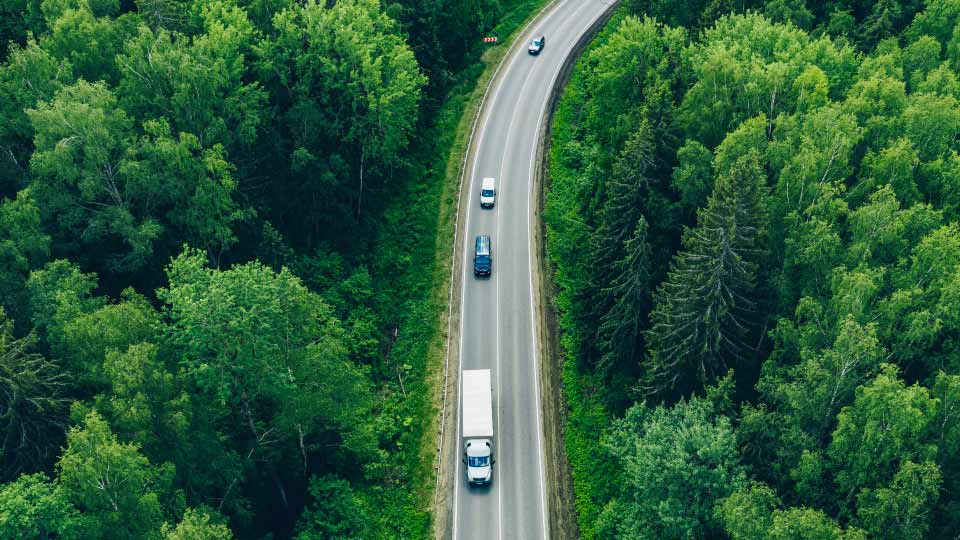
{"x": 752, "y": 222}
{"x": 217, "y": 308}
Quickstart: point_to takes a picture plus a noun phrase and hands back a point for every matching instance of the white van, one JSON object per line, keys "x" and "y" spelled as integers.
{"x": 488, "y": 192}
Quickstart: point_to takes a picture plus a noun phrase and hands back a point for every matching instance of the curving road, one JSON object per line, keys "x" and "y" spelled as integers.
{"x": 497, "y": 314}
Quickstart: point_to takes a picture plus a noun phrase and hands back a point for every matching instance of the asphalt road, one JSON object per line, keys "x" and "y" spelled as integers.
{"x": 497, "y": 313}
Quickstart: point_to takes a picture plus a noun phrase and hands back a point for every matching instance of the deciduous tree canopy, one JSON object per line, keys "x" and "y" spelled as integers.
{"x": 216, "y": 316}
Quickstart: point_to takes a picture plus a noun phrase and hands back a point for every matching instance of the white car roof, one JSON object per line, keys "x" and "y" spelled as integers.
{"x": 488, "y": 183}
{"x": 478, "y": 450}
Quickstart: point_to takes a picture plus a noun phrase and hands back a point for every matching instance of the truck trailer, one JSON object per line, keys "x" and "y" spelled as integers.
{"x": 477, "y": 425}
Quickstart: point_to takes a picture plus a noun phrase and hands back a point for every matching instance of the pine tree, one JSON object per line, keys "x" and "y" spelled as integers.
{"x": 618, "y": 216}
{"x": 705, "y": 312}
{"x": 882, "y": 22}
{"x": 620, "y": 332}
{"x": 624, "y": 199}
{"x": 34, "y": 401}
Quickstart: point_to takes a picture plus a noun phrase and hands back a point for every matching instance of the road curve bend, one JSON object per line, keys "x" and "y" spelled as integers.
{"x": 497, "y": 315}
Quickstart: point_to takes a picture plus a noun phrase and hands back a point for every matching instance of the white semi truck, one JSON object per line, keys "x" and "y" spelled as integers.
{"x": 477, "y": 425}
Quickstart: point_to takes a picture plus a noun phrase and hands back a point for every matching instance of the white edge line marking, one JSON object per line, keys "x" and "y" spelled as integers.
{"x": 543, "y": 17}
{"x": 533, "y": 310}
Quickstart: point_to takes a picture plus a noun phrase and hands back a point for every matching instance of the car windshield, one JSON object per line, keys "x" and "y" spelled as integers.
{"x": 477, "y": 461}
{"x": 486, "y": 193}
{"x": 535, "y": 43}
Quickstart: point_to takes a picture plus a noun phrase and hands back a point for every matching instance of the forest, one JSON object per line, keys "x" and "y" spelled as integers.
{"x": 216, "y": 298}
{"x": 753, "y": 230}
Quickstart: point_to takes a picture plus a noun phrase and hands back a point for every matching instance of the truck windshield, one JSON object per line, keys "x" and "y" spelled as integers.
{"x": 477, "y": 461}
{"x": 486, "y": 193}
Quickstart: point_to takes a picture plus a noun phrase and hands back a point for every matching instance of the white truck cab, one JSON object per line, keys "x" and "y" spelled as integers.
{"x": 479, "y": 456}
{"x": 488, "y": 192}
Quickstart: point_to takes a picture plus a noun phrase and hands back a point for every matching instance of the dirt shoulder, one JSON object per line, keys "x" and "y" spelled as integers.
{"x": 561, "y": 500}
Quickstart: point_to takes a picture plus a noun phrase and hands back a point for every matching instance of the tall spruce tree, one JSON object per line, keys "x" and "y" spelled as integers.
{"x": 704, "y": 314}
{"x": 883, "y": 22}
{"x": 622, "y": 207}
{"x": 33, "y": 401}
{"x": 621, "y": 337}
